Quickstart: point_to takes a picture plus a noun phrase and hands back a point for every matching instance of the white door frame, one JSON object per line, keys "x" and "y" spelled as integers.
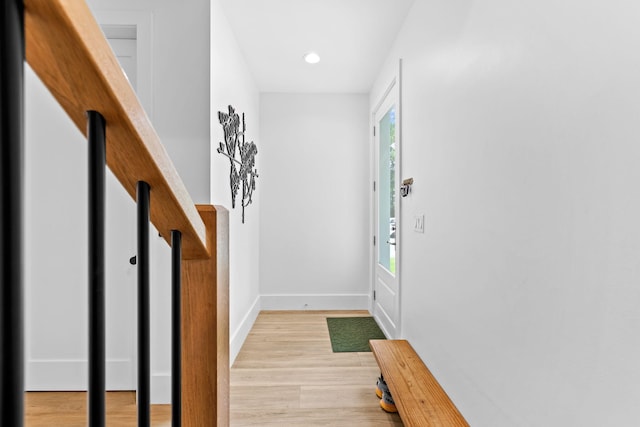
{"x": 392, "y": 89}
{"x": 143, "y": 21}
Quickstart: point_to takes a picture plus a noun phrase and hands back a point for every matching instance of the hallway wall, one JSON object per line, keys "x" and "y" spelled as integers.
{"x": 314, "y": 230}
{"x": 521, "y": 128}
{"x": 232, "y": 84}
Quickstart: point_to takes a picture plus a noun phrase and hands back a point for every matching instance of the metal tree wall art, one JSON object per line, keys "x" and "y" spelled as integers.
{"x": 241, "y": 155}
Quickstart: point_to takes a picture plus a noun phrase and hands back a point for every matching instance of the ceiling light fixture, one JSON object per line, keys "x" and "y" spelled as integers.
{"x": 312, "y": 58}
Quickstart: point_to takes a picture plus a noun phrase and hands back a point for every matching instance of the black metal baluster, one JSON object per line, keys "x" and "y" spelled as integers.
{"x": 176, "y": 324}
{"x": 97, "y": 164}
{"x": 11, "y": 196}
{"x": 144, "y": 382}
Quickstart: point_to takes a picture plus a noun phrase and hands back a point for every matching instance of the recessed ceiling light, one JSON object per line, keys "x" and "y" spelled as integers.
{"x": 312, "y": 58}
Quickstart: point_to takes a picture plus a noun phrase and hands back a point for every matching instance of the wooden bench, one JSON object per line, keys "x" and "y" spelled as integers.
{"x": 420, "y": 400}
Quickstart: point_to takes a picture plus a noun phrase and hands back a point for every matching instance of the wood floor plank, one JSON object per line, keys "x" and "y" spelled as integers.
{"x": 278, "y": 327}
{"x": 367, "y": 359}
{"x": 274, "y": 359}
{"x": 305, "y": 376}
{"x": 298, "y": 336}
{"x": 330, "y": 396}
{"x": 266, "y": 397}
{"x": 293, "y": 346}
{"x": 330, "y": 417}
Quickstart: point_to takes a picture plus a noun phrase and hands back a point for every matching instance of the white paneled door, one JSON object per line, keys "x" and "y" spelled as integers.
{"x": 386, "y": 289}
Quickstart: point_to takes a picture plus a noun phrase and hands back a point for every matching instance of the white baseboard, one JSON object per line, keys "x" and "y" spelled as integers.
{"x": 315, "y": 302}
{"x": 72, "y": 375}
{"x": 240, "y": 334}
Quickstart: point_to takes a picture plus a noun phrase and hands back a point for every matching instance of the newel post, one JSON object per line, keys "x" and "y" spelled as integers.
{"x": 205, "y": 327}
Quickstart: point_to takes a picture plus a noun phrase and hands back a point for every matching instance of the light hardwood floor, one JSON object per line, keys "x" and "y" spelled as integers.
{"x": 69, "y": 409}
{"x": 287, "y": 375}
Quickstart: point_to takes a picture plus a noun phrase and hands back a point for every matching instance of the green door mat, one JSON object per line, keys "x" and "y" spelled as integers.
{"x": 350, "y": 334}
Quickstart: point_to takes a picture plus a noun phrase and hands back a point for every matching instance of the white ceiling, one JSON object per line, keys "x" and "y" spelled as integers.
{"x": 352, "y": 38}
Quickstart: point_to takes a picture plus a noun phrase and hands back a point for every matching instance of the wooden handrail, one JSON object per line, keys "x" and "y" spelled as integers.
{"x": 68, "y": 51}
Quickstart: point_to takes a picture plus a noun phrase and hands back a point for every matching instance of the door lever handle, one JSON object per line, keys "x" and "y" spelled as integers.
{"x": 391, "y": 243}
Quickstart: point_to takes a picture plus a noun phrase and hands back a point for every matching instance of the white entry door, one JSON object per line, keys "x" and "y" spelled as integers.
{"x": 386, "y": 289}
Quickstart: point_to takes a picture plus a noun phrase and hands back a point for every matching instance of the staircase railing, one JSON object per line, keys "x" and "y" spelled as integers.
{"x": 66, "y": 48}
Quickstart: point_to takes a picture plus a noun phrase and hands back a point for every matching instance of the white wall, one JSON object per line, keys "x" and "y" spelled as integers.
{"x": 233, "y": 84}
{"x": 180, "y": 77}
{"x": 520, "y": 128}
{"x": 314, "y": 233}
{"x": 56, "y": 200}
{"x": 55, "y": 239}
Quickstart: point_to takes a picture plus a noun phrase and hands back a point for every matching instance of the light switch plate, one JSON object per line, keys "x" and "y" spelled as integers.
{"x": 418, "y": 225}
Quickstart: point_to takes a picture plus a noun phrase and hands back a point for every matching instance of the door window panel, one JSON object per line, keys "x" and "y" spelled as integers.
{"x": 386, "y": 196}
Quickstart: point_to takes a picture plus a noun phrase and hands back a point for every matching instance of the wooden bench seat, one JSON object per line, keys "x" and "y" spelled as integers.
{"x": 420, "y": 400}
